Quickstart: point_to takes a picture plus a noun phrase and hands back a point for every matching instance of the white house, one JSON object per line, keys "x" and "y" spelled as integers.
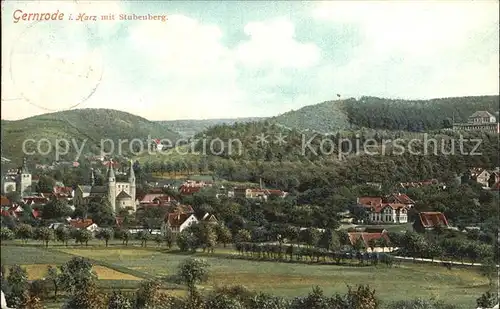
{"x": 178, "y": 222}
{"x": 389, "y": 213}
{"x": 87, "y": 224}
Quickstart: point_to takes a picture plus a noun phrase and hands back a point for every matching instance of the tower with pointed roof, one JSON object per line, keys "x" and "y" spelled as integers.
{"x": 23, "y": 181}
{"x": 131, "y": 180}
{"x": 92, "y": 177}
{"x": 112, "y": 186}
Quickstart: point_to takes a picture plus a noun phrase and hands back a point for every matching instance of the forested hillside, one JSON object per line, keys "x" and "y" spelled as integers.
{"x": 380, "y": 113}
{"x": 92, "y": 125}
{"x": 189, "y": 128}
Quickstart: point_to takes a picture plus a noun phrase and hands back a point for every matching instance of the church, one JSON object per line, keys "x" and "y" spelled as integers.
{"x": 121, "y": 195}
{"x": 20, "y": 181}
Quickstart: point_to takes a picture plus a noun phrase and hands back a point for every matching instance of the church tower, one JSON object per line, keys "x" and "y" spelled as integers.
{"x": 112, "y": 186}
{"x": 23, "y": 184}
{"x": 92, "y": 177}
{"x": 131, "y": 180}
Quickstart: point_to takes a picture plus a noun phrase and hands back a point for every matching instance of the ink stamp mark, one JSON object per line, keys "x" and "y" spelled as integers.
{"x": 54, "y": 66}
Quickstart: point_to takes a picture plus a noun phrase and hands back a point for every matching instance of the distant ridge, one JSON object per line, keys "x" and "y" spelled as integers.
{"x": 88, "y": 124}
{"x": 188, "y": 128}
{"x": 385, "y": 114}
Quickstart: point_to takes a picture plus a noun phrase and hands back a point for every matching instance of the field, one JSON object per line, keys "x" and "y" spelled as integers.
{"x": 124, "y": 266}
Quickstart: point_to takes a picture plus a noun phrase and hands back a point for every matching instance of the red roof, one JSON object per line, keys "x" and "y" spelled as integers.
{"x": 187, "y": 190}
{"x": 176, "y": 219}
{"x": 108, "y": 163}
{"x": 4, "y": 201}
{"x": 35, "y": 200}
{"x": 379, "y": 208}
{"x": 149, "y": 198}
{"x": 81, "y": 223}
{"x": 36, "y": 213}
{"x": 164, "y": 199}
{"x": 432, "y": 219}
{"x": 63, "y": 190}
{"x": 366, "y": 237}
{"x": 402, "y": 198}
{"x": 119, "y": 221}
{"x": 370, "y": 201}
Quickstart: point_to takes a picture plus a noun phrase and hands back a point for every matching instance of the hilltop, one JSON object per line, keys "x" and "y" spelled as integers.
{"x": 188, "y": 128}
{"x": 386, "y": 114}
{"x": 94, "y": 125}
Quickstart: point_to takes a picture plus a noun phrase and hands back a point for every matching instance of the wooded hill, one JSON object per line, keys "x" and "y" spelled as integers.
{"x": 390, "y": 114}
{"x": 92, "y": 125}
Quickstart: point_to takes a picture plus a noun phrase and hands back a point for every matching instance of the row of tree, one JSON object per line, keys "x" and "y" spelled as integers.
{"x": 79, "y": 283}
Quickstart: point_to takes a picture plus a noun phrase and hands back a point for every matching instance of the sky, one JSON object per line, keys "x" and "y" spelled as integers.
{"x": 215, "y": 59}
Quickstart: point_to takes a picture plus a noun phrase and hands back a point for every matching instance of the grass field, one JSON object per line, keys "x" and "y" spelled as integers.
{"x": 458, "y": 286}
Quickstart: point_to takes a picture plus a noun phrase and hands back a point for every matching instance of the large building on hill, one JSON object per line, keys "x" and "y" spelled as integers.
{"x": 120, "y": 194}
{"x": 479, "y": 121}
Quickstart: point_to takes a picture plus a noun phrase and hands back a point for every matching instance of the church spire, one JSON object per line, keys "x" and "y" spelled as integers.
{"x": 92, "y": 177}
{"x": 131, "y": 173}
{"x": 111, "y": 172}
{"x": 24, "y": 168}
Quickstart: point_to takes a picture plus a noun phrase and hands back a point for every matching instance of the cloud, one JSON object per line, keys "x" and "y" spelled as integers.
{"x": 417, "y": 49}
{"x": 51, "y": 65}
{"x": 272, "y": 45}
{"x": 184, "y": 67}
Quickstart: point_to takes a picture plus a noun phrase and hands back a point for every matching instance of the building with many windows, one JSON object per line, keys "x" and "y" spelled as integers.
{"x": 479, "y": 121}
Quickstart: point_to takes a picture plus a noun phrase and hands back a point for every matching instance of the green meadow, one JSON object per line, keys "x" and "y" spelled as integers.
{"x": 124, "y": 267}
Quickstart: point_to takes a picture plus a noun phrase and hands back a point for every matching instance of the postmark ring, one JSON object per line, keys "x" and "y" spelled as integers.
{"x": 87, "y": 82}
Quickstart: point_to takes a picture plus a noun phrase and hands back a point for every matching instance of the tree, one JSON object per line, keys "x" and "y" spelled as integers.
{"x": 6, "y": 234}
{"x": 63, "y": 234}
{"x": 329, "y": 240}
{"x": 207, "y": 236}
{"x": 310, "y": 236}
{"x": 99, "y": 209}
{"x": 169, "y": 238}
{"x": 18, "y": 284}
{"x": 149, "y": 296}
{"x": 76, "y": 274}
{"x": 489, "y": 270}
{"x": 144, "y": 237}
{"x": 243, "y": 236}
{"x": 88, "y": 297}
{"x": 223, "y": 301}
{"x": 119, "y": 301}
{"x": 487, "y": 300}
{"x": 105, "y": 234}
{"x": 192, "y": 272}
{"x": 362, "y": 297}
{"x": 24, "y": 232}
{"x": 56, "y": 209}
{"x": 372, "y": 243}
{"x": 83, "y": 236}
{"x": 54, "y": 277}
{"x": 45, "y": 184}
{"x": 359, "y": 244}
{"x": 223, "y": 234}
{"x": 45, "y": 234}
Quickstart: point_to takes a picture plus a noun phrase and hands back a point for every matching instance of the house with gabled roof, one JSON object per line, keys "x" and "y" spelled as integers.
{"x": 178, "y": 222}
{"x": 428, "y": 221}
{"x": 387, "y": 209}
{"x": 400, "y": 198}
{"x": 87, "y": 224}
{"x": 209, "y": 218}
{"x": 368, "y": 238}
